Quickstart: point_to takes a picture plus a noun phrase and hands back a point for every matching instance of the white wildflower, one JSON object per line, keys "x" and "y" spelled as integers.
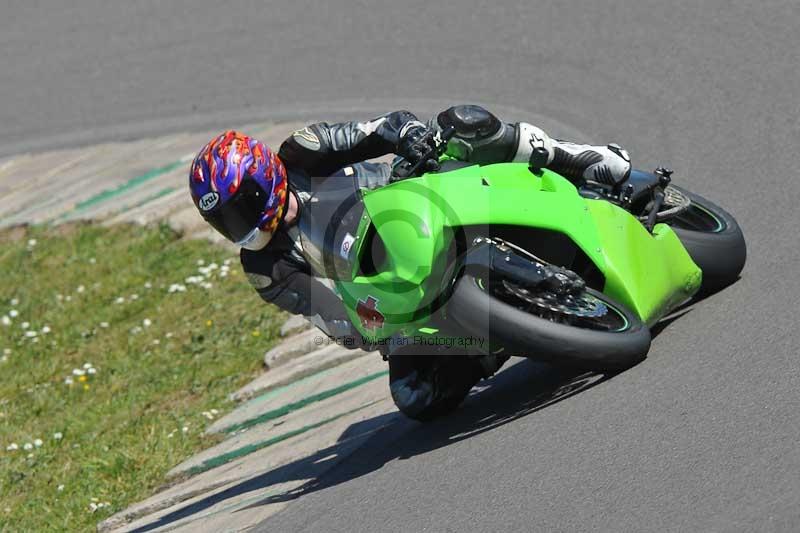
{"x": 46, "y": 329}
{"x": 176, "y": 287}
{"x": 59, "y": 297}
{"x": 136, "y": 329}
{"x": 27, "y": 447}
{"x": 30, "y": 456}
{"x": 206, "y": 285}
{"x": 31, "y": 243}
{"x": 213, "y": 266}
{"x": 194, "y": 279}
{"x": 214, "y": 411}
{"x": 156, "y": 342}
{"x": 185, "y": 429}
{"x": 78, "y": 372}
{"x": 103, "y": 324}
{"x": 92, "y": 507}
{"x": 92, "y": 260}
{"x": 13, "y": 313}
{"x": 87, "y": 366}
{"x": 80, "y": 288}
{"x": 119, "y": 300}
{"x": 200, "y": 262}
{"x": 223, "y": 273}
{"x": 5, "y": 320}
{"x": 148, "y": 285}
{"x": 38, "y": 443}
{"x": 91, "y": 371}
{"x": 227, "y": 262}
{"x": 68, "y": 380}
{"x": 68, "y": 298}
{"x": 25, "y": 325}
{"x": 14, "y": 301}
{"x": 134, "y": 297}
{"x": 58, "y": 435}
{"x": 168, "y": 335}
{"x": 60, "y": 488}
{"x": 12, "y": 447}
{"x": 6, "y": 351}
{"x": 30, "y": 334}
{"x": 147, "y": 322}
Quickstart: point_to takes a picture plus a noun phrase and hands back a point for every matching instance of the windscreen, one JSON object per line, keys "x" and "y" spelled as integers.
{"x": 328, "y": 225}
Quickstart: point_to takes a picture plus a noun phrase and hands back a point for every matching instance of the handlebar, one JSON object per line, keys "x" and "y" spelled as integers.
{"x": 436, "y": 150}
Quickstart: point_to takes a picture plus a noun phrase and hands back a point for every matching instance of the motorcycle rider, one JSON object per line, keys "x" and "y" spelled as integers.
{"x": 255, "y": 197}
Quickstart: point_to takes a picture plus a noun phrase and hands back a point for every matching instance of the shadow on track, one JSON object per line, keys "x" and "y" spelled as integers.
{"x": 521, "y": 389}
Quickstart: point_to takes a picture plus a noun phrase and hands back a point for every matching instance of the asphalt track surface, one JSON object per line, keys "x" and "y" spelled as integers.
{"x": 703, "y": 435}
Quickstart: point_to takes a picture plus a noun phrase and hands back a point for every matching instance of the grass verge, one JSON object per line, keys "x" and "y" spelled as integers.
{"x": 118, "y": 345}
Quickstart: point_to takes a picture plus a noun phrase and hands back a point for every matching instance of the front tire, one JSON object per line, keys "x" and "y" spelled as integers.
{"x": 482, "y": 313}
{"x": 714, "y": 241}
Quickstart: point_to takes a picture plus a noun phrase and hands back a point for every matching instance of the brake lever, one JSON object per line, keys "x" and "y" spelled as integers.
{"x": 664, "y": 179}
{"x": 440, "y": 139}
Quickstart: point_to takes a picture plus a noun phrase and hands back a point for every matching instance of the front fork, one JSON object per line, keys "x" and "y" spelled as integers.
{"x": 496, "y": 260}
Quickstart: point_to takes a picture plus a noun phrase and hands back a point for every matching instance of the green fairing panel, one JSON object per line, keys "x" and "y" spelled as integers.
{"x": 648, "y": 273}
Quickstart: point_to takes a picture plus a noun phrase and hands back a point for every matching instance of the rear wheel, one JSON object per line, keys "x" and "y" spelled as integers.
{"x": 587, "y": 330}
{"x": 713, "y": 239}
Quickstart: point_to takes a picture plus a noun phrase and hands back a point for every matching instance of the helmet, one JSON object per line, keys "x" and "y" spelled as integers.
{"x": 239, "y": 187}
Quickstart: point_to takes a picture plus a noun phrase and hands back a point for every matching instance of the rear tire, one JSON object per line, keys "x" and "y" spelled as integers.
{"x": 714, "y": 241}
{"x": 521, "y": 333}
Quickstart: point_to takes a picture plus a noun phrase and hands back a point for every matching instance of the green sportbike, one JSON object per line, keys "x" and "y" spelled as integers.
{"x": 515, "y": 259}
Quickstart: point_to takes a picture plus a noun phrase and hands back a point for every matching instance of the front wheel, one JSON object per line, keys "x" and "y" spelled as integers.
{"x": 713, "y": 239}
{"x": 586, "y": 331}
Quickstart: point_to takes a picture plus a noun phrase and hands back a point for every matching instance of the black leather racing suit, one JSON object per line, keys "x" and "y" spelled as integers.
{"x": 322, "y": 151}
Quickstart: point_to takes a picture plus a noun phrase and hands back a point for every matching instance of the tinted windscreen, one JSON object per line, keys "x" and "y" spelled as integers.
{"x": 329, "y": 223}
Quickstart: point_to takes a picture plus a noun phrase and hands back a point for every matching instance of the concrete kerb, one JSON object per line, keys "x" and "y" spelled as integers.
{"x": 295, "y": 324}
{"x": 291, "y": 347}
{"x": 284, "y": 465}
{"x": 313, "y": 388}
{"x": 249, "y": 438}
{"x": 302, "y": 366}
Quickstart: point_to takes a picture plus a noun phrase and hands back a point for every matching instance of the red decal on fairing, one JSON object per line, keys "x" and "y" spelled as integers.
{"x": 367, "y": 311}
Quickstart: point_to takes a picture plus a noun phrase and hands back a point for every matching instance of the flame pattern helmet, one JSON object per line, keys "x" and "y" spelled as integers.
{"x": 239, "y": 187}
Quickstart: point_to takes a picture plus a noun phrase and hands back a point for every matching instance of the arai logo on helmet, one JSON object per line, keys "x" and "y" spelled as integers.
{"x": 208, "y": 201}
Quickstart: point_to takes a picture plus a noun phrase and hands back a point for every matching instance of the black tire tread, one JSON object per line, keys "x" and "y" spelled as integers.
{"x": 722, "y": 255}
{"x": 524, "y": 334}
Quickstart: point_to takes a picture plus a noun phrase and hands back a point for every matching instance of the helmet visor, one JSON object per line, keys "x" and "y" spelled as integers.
{"x": 237, "y": 217}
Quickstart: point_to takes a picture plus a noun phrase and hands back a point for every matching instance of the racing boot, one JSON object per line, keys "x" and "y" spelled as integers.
{"x": 607, "y": 165}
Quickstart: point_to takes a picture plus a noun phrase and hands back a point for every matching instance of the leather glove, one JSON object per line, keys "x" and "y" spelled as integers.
{"x": 416, "y": 144}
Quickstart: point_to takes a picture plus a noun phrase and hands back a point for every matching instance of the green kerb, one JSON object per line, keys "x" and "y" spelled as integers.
{"x": 250, "y": 448}
{"x": 286, "y": 409}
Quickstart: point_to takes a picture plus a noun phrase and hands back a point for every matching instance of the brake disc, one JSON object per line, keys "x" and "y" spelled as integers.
{"x": 582, "y": 305}
{"x": 675, "y": 203}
